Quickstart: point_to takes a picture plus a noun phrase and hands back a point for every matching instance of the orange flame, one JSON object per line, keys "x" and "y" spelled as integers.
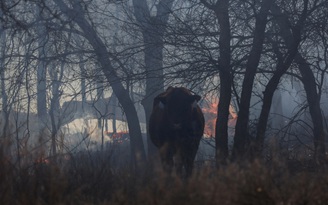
{"x": 210, "y": 114}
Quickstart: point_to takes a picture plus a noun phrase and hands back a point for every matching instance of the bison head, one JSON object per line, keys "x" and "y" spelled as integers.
{"x": 178, "y": 104}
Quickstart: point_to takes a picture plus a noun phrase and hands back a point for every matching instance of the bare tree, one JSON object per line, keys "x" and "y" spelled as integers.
{"x": 241, "y": 135}
{"x": 310, "y": 86}
{"x": 284, "y": 63}
{"x": 4, "y": 100}
{"x": 41, "y": 69}
{"x": 221, "y": 10}
{"x": 152, "y": 30}
{"x": 76, "y": 13}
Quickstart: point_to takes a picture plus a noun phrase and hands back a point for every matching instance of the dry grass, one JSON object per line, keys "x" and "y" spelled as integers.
{"x": 89, "y": 178}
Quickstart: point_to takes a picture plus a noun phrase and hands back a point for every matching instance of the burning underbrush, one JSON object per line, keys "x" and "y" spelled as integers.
{"x": 91, "y": 177}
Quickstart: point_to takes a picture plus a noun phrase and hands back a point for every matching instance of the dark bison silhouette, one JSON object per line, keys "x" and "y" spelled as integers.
{"x": 176, "y": 126}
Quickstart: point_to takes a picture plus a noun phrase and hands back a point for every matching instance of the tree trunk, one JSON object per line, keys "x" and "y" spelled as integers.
{"x": 153, "y": 29}
{"x": 313, "y": 100}
{"x": 154, "y": 82}
{"x": 241, "y": 134}
{"x": 54, "y": 108}
{"x": 114, "y": 103}
{"x": 41, "y": 74}
{"x": 56, "y": 75}
{"x": 83, "y": 84}
{"x": 221, "y": 125}
{"x": 4, "y": 109}
{"x": 268, "y": 93}
{"x": 41, "y": 90}
{"x": 273, "y": 83}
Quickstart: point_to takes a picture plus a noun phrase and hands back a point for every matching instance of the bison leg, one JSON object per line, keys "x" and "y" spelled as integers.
{"x": 178, "y": 162}
{"x": 167, "y": 153}
{"x": 189, "y": 165}
{"x": 189, "y": 158}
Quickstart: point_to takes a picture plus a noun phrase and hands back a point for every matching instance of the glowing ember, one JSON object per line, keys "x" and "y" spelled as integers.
{"x": 42, "y": 160}
{"x": 118, "y": 137}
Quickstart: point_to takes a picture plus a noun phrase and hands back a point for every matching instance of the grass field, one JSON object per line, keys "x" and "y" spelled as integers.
{"x": 89, "y": 178}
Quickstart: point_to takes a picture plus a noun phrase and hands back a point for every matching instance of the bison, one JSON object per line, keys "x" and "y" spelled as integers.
{"x": 176, "y": 127}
